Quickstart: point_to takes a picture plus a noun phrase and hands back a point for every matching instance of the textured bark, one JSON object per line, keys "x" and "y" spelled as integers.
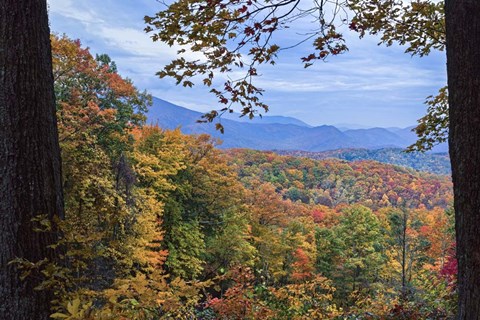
{"x": 29, "y": 152}
{"x": 463, "y": 66}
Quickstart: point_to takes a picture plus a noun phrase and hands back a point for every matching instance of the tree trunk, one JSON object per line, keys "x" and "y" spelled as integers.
{"x": 404, "y": 254}
{"x": 29, "y": 153}
{"x": 463, "y": 66}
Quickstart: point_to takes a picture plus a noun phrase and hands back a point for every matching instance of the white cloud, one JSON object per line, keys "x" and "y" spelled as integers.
{"x": 366, "y": 79}
{"x": 74, "y": 10}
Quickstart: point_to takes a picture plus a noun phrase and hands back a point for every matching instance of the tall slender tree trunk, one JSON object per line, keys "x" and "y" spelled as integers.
{"x": 29, "y": 153}
{"x": 463, "y": 66}
{"x": 404, "y": 253}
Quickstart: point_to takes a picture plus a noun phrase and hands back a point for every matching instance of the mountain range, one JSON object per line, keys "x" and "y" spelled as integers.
{"x": 279, "y": 133}
{"x": 437, "y": 163}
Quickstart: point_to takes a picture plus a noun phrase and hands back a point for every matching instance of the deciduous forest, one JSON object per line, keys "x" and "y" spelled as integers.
{"x": 161, "y": 225}
{"x": 140, "y": 222}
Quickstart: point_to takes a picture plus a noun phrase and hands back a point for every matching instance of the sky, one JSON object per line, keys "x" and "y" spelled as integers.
{"x": 370, "y": 85}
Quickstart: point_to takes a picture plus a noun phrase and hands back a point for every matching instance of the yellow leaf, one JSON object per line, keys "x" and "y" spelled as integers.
{"x": 72, "y": 307}
{"x": 58, "y": 315}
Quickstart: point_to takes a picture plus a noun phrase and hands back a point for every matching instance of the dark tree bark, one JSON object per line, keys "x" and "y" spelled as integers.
{"x": 29, "y": 153}
{"x": 463, "y": 65}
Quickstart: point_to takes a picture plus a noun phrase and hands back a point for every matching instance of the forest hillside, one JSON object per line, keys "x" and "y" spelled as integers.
{"x": 163, "y": 225}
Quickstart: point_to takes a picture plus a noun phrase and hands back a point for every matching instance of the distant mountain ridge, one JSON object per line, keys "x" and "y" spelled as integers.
{"x": 278, "y": 133}
{"x": 265, "y": 119}
{"x": 437, "y": 163}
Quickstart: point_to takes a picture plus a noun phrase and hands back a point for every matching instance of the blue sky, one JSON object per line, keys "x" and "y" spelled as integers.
{"x": 370, "y": 85}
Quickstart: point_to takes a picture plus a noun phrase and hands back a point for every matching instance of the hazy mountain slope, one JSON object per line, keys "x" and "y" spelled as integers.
{"x": 280, "y": 133}
{"x": 266, "y": 119}
{"x": 438, "y": 163}
{"x": 369, "y": 138}
{"x": 172, "y": 115}
{"x": 266, "y": 136}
